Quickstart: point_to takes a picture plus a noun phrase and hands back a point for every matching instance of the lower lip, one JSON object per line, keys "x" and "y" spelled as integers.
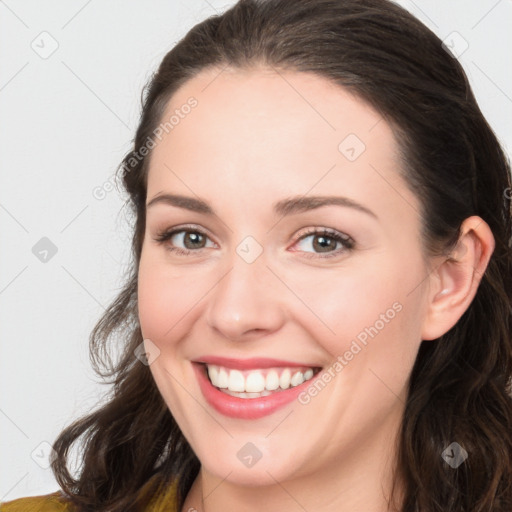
{"x": 245, "y": 408}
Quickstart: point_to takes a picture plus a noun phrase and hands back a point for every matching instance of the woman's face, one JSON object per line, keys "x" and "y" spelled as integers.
{"x": 302, "y": 254}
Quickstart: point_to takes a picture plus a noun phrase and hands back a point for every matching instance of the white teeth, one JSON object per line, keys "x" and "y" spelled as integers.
{"x": 284, "y": 380}
{"x": 298, "y": 378}
{"x": 272, "y": 380}
{"x": 236, "y": 381}
{"x": 213, "y": 373}
{"x": 248, "y": 395}
{"x": 256, "y": 383}
{"x": 223, "y": 379}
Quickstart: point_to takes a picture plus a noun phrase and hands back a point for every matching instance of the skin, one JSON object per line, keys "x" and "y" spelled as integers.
{"x": 257, "y": 137}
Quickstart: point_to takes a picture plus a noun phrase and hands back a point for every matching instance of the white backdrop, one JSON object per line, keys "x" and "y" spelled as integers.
{"x": 71, "y": 76}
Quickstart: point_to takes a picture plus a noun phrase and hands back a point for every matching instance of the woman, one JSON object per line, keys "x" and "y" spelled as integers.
{"x": 318, "y": 313}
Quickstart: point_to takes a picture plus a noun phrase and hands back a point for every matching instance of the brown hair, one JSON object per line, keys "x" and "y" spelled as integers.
{"x": 460, "y": 383}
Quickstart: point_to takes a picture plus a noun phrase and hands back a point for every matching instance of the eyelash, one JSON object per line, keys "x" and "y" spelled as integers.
{"x": 163, "y": 236}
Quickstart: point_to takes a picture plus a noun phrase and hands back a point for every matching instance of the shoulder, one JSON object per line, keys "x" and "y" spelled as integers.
{"x": 47, "y": 503}
{"x": 163, "y": 495}
{"x": 162, "y": 498}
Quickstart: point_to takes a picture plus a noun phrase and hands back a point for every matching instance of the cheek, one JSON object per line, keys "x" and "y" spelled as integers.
{"x": 341, "y": 300}
{"x": 367, "y": 301}
{"x": 164, "y": 296}
{"x": 170, "y": 298}
{"x": 360, "y": 306}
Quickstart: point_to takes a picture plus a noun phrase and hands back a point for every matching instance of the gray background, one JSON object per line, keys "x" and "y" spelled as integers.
{"x": 67, "y": 120}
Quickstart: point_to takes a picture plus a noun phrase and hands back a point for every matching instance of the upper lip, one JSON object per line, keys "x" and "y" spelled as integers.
{"x": 251, "y": 363}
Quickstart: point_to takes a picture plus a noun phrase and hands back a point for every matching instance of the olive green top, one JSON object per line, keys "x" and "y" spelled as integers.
{"x": 54, "y": 502}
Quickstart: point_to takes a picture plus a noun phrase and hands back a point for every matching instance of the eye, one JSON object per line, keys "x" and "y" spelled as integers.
{"x": 327, "y": 242}
{"x": 324, "y": 242}
{"x": 192, "y": 238}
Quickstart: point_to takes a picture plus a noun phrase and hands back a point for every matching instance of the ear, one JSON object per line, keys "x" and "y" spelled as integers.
{"x": 454, "y": 281}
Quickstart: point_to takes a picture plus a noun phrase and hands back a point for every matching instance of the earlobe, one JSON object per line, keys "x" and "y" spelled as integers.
{"x": 454, "y": 282}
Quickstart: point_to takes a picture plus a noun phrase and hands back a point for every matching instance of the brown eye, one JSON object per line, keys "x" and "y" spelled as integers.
{"x": 331, "y": 243}
{"x": 193, "y": 240}
{"x": 324, "y": 243}
{"x": 183, "y": 241}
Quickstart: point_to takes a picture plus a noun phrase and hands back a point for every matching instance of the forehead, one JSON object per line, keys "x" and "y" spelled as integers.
{"x": 262, "y": 108}
{"x": 274, "y": 132}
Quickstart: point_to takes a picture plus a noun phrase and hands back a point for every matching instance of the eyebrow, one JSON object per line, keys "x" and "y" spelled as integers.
{"x": 284, "y": 207}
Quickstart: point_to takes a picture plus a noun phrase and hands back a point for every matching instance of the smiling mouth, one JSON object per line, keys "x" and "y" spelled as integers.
{"x": 257, "y": 383}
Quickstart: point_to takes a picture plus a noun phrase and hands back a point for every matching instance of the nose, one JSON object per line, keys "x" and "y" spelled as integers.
{"x": 247, "y": 302}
